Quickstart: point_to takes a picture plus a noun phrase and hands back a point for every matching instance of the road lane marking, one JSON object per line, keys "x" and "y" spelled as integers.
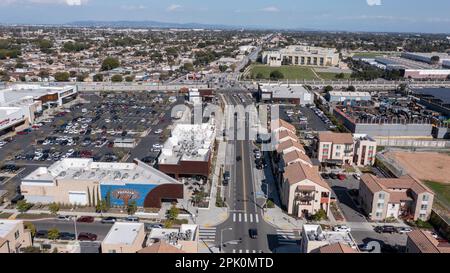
{"x": 243, "y": 174}
{"x": 234, "y": 250}
{"x": 234, "y": 217}
{"x": 251, "y": 218}
{"x": 240, "y": 217}
{"x": 240, "y": 250}
{"x": 245, "y": 217}
{"x": 247, "y": 251}
{"x": 257, "y": 218}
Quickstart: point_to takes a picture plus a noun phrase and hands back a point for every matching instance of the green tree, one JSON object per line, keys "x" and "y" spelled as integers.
{"x": 276, "y": 75}
{"x": 132, "y": 207}
{"x": 117, "y": 78}
{"x": 351, "y": 88}
{"x": 30, "y": 226}
{"x": 260, "y": 76}
{"x": 45, "y": 46}
{"x": 198, "y": 197}
{"x": 98, "y": 78}
{"x": 328, "y": 88}
{"x": 53, "y": 234}
{"x": 23, "y": 206}
{"x": 172, "y": 213}
{"x": 53, "y": 208}
{"x": 62, "y": 76}
{"x": 129, "y": 78}
{"x": 223, "y": 68}
{"x": 340, "y": 76}
{"x": 435, "y": 59}
{"x": 320, "y": 215}
{"x": 188, "y": 67}
{"x": 110, "y": 63}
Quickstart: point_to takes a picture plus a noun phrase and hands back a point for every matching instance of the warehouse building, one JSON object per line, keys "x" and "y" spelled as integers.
{"x": 85, "y": 182}
{"x": 341, "y": 96}
{"x": 285, "y": 94}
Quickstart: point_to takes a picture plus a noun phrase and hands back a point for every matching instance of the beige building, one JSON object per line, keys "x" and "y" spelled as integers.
{"x": 13, "y": 236}
{"x": 301, "y": 55}
{"x": 173, "y": 240}
{"x": 124, "y": 238}
{"x": 365, "y": 150}
{"x": 335, "y": 148}
{"x": 420, "y": 241}
{"x": 383, "y": 198}
{"x": 316, "y": 240}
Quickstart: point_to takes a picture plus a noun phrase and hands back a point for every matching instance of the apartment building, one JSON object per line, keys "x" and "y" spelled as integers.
{"x": 317, "y": 240}
{"x": 124, "y": 238}
{"x": 303, "y": 192}
{"x": 301, "y": 55}
{"x": 335, "y": 148}
{"x": 421, "y": 241}
{"x": 13, "y": 236}
{"x": 383, "y": 198}
{"x": 346, "y": 149}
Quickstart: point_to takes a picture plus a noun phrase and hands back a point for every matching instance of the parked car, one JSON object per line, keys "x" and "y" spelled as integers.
{"x": 341, "y": 228}
{"x": 403, "y": 230}
{"x": 109, "y": 220}
{"x": 253, "y": 232}
{"x": 86, "y": 236}
{"x": 385, "y": 229}
{"x": 333, "y": 176}
{"x": 341, "y": 176}
{"x": 325, "y": 176}
{"x": 365, "y": 248}
{"x": 85, "y": 219}
{"x": 66, "y": 236}
{"x": 41, "y": 234}
{"x": 132, "y": 219}
{"x": 357, "y": 176}
{"x": 63, "y": 218}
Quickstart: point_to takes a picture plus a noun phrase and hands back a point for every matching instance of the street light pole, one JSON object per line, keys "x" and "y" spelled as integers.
{"x": 221, "y": 237}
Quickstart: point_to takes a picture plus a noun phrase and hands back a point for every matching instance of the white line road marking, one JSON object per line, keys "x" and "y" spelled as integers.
{"x": 245, "y": 217}
{"x": 240, "y": 250}
{"x": 251, "y": 218}
{"x": 234, "y": 217}
{"x": 257, "y": 218}
{"x": 247, "y": 251}
{"x": 234, "y": 250}
{"x": 240, "y": 217}
{"x": 254, "y": 251}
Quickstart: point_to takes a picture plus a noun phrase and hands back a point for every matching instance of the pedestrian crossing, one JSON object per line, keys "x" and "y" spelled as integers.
{"x": 288, "y": 237}
{"x": 239, "y": 217}
{"x": 245, "y": 251}
{"x": 207, "y": 234}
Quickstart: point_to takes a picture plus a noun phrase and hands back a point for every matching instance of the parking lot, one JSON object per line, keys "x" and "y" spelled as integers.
{"x": 304, "y": 118}
{"x": 89, "y": 128}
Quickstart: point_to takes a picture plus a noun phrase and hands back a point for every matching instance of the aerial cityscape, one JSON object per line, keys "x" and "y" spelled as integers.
{"x": 187, "y": 131}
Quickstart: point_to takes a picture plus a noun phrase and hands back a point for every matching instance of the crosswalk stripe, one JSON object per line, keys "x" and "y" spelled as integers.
{"x": 254, "y": 251}
{"x": 245, "y": 217}
{"x": 251, "y": 218}
{"x": 234, "y": 217}
{"x": 239, "y": 217}
{"x": 234, "y": 250}
{"x": 247, "y": 251}
{"x": 240, "y": 250}
{"x": 257, "y": 218}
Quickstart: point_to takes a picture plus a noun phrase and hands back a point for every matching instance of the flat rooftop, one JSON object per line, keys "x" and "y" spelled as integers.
{"x": 28, "y": 91}
{"x": 315, "y": 233}
{"x": 172, "y": 235}
{"x": 105, "y": 173}
{"x": 284, "y": 90}
{"x": 123, "y": 233}
{"x": 6, "y": 226}
{"x": 189, "y": 142}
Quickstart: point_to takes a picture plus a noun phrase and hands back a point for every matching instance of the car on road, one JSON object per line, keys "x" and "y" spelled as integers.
{"x": 109, "y": 220}
{"x": 385, "y": 229}
{"x": 333, "y": 176}
{"x": 341, "y": 176}
{"x": 341, "y": 228}
{"x": 132, "y": 219}
{"x": 253, "y": 232}
{"x": 325, "y": 176}
{"x": 404, "y": 230}
{"x": 238, "y": 158}
{"x": 67, "y": 236}
{"x": 159, "y": 131}
{"x": 157, "y": 146}
{"x": 41, "y": 234}
{"x": 150, "y": 226}
{"x": 357, "y": 176}
{"x": 85, "y": 219}
{"x": 63, "y": 218}
{"x": 87, "y": 236}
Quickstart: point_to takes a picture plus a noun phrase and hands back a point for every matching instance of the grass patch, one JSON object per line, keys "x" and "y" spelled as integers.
{"x": 34, "y": 216}
{"x": 369, "y": 54}
{"x": 441, "y": 190}
{"x": 328, "y": 76}
{"x": 5, "y": 215}
{"x": 289, "y": 72}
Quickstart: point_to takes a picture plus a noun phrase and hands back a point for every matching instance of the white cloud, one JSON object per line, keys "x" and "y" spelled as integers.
{"x": 133, "y": 7}
{"x": 271, "y": 9}
{"x": 374, "y": 2}
{"x": 173, "y": 7}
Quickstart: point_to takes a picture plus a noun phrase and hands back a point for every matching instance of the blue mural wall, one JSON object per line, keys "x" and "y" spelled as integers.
{"x": 138, "y": 191}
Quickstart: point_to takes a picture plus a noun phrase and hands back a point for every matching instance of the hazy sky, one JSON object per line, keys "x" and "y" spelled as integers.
{"x": 363, "y": 15}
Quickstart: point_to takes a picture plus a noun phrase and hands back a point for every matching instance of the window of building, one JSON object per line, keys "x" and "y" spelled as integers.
{"x": 17, "y": 234}
{"x": 378, "y": 214}
{"x": 381, "y": 196}
{"x": 425, "y": 197}
{"x": 380, "y": 205}
{"x": 423, "y": 207}
{"x": 422, "y": 216}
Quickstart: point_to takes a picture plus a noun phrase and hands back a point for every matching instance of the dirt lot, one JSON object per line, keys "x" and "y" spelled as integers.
{"x": 424, "y": 166}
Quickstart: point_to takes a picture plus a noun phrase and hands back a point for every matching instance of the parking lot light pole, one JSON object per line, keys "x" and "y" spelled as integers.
{"x": 221, "y": 237}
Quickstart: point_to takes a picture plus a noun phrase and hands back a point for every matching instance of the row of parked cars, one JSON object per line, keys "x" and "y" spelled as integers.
{"x": 323, "y": 117}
